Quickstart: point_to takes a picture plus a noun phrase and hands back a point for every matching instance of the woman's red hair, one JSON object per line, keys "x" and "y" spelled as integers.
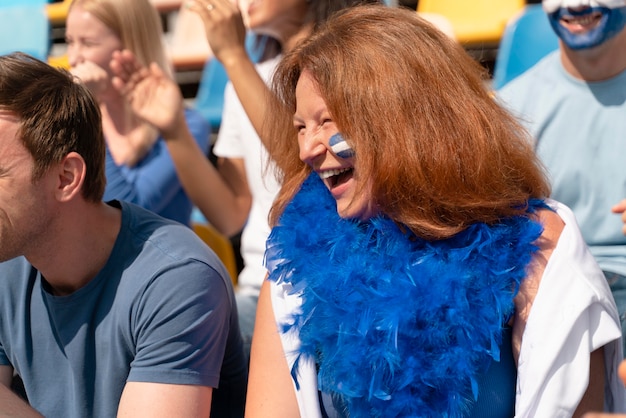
{"x": 437, "y": 149}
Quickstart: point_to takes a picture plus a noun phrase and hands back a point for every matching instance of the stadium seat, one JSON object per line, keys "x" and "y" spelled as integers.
{"x": 220, "y": 245}
{"x": 475, "y": 22}
{"x": 527, "y": 38}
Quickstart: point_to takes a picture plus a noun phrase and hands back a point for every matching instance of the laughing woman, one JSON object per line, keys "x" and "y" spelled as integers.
{"x": 417, "y": 266}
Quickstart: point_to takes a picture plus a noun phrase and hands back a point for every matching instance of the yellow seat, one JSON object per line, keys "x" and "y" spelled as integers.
{"x": 476, "y": 22}
{"x": 59, "y": 61}
{"x": 220, "y": 245}
{"x": 440, "y": 22}
{"x": 57, "y": 12}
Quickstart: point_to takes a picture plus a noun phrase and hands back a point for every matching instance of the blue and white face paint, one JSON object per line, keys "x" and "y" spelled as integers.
{"x": 583, "y": 24}
{"x": 340, "y": 147}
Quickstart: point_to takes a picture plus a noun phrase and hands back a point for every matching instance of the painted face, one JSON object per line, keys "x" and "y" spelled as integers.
{"x": 583, "y": 24}
{"x": 274, "y": 17}
{"x": 89, "y": 39}
{"x": 24, "y": 208}
{"x": 316, "y": 129}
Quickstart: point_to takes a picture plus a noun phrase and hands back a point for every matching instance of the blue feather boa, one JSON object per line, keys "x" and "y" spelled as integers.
{"x": 397, "y": 325}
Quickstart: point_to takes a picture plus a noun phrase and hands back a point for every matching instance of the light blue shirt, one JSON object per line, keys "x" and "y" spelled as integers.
{"x": 580, "y": 132}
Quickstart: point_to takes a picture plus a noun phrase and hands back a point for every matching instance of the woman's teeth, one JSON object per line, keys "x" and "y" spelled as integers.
{"x": 329, "y": 173}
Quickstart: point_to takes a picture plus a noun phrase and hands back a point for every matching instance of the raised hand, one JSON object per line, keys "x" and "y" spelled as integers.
{"x": 224, "y": 27}
{"x": 153, "y": 96}
{"x": 94, "y": 77}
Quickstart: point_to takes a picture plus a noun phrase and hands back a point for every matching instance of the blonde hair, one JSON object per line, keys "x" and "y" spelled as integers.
{"x": 138, "y": 25}
{"x": 437, "y": 150}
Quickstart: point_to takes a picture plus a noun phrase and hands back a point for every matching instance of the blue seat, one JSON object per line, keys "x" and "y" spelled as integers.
{"x": 24, "y": 27}
{"x": 10, "y": 3}
{"x": 209, "y": 99}
{"x": 527, "y": 39}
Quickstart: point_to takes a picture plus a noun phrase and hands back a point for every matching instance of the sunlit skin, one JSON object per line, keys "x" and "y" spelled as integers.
{"x": 273, "y": 17}
{"x": 90, "y": 46}
{"x": 24, "y": 204}
{"x": 315, "y": 126}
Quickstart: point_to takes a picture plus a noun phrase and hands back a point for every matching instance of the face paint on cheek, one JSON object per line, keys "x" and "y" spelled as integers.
{"x": 340, "y": 147}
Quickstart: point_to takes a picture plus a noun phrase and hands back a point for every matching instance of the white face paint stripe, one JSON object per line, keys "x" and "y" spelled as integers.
{"x": 551, "y": 6}
{"x": 340, "y": 147}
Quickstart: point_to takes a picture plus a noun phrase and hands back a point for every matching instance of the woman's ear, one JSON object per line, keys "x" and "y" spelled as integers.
{"x": 71, "y": 175}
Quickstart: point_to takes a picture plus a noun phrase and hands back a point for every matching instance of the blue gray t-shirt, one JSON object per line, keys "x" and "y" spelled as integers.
{"x": 580, "y": 129}
{"x": 161, "y": 310}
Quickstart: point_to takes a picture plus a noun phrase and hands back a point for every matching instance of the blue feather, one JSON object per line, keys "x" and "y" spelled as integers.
{"x": 398, "y": 326}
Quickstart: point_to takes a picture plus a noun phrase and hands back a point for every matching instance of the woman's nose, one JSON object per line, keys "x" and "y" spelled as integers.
{"x": 74, "y": 56}
{"x": 312, "y": 145}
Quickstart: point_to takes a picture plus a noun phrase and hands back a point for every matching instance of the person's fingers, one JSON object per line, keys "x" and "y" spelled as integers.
{"x": 156, "y": 70}
{"x": 212, "y": 11}
{"x": 118, "y": 84}
{"x": 619, "y": 207}
{"x": 204, "y": 9}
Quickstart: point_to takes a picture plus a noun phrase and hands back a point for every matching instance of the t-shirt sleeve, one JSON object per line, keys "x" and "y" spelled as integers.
{"x": 181, "y": 326}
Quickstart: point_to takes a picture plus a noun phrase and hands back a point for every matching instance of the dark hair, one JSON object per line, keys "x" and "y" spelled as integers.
{"x": 320, "y": 10}
{"x": 436, "y": 148}
{"x": 58, "y": 116}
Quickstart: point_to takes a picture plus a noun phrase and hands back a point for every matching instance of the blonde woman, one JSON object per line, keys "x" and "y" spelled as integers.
{"x": 139, "y": 167}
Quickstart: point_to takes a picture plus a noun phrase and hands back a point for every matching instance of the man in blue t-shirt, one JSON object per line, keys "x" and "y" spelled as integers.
{"x": 106, "y": 309}
{"x": 574, "y": 104}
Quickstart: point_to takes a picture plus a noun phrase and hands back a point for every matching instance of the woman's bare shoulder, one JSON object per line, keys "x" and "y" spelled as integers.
{"x": 552, "y": 227}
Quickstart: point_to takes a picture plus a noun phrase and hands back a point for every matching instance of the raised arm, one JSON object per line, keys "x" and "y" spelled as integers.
{"x": 226, "y": 34}
{"x": 223, "y": 196}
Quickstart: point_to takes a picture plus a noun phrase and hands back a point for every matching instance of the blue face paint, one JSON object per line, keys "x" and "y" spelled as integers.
{"x": 611, "y": 23}
{"x": 340, "y": 147}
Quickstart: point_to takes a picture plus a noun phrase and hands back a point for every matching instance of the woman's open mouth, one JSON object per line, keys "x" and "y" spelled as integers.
{"x": 336, "y": 177}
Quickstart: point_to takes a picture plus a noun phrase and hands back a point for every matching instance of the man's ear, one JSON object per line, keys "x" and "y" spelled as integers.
{"x": 71, "y": 176}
